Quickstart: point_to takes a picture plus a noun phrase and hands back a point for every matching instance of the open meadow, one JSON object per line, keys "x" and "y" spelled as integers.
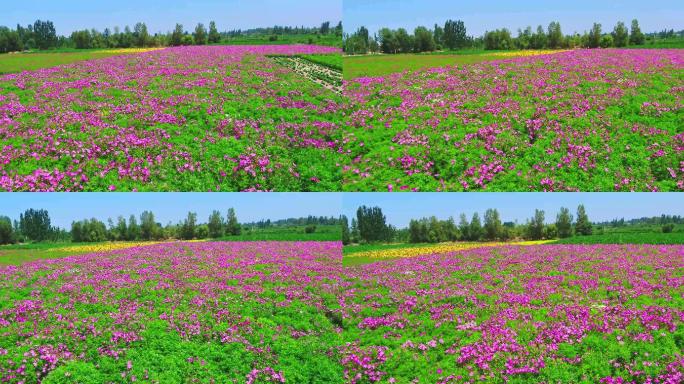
{"x": 581, "y": 120}
{"x": 519, "y": 314}
{"x": 213, "y": 118}
{"x": 248, "y": 312}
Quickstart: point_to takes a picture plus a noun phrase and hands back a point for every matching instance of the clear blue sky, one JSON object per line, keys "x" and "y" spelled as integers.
{"x": 162, "y": 15}
{"x": 480, "y": 16}
{"x": 402, "y": 207}
{"x": 67, "y": 207}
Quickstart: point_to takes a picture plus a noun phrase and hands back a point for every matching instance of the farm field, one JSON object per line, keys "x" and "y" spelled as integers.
{"x": 249, "y": 312}
{"x": 219, "y": 118}
{"x": 519, "y": 314}
{"x": 583, "y": 120}
{"x": 381, "y": 65}
{"x": 20, "y": 62}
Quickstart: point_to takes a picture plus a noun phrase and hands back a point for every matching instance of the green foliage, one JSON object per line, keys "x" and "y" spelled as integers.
{"x": 583, "y": 226}
{"x": 564, "y": 223}
{"x": 620, "y": 35}
{"x": 200, "y": 35}
{"x": 372, "y": 225}
{"x": 346, "y": 235}
{"x": 232, "y": 225}
{"x": 35, "y": 224}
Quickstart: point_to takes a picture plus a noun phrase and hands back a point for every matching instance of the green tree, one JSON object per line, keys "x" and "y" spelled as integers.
{"x": 142, "y": 37}
{"x": 464, "y": 227}
{"x": 325, "y": 28}
{"x": 121, "y": 229}
{"x": 455, "y": 34}
{"x": 620, "y": 35}
{"x": 35, "y": 224}
{"x": 536, "y": 226}
{"x": 388, "y": 41}
{"x": 438, "y": 34}
{"x": 133, "y": 229}
{"x": 404, "y": 40}
{"x": 200, "y": 34}
{"x": 215, "y": 225}
{"x": 583, "y": 226}
{"x": 214, "y": 35}
{"x": 44, "y": 34}
{"x": 636, "y": 37}
{"x": 176, "y": 38}
{"x": 188, "y": 227}
{"x": 232, "y": 225}
{"x": 606, "y": 41}
{"x": 492, "y": 225}
{"x": 564, "y": 223}
{"x": 595, "y": 34}
{"x": 346, "y": 235}
{"x": 667, "y": 228}
{"x": 372, "y": 224}
{"x": 6, "y": 231}
{"x": 475, "y": 228}
{"x": 354, "y": 232}
{"x": 148, "y": 226}
{"x": 555, "y": 39}
{"x": 423, "y": 40}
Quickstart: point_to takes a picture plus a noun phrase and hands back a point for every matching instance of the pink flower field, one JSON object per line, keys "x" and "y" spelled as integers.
{"x": 222, "y": 118}
{"x": 519, "y": 314}
{"x": 582, "y": 120}
{"x": 289, "y": 312}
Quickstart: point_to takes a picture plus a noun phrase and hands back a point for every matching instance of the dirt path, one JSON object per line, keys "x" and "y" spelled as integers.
{"x": 319, "y": 74}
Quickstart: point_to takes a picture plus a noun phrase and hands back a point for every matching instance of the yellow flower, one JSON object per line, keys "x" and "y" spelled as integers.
{"x": 434, "y": 249}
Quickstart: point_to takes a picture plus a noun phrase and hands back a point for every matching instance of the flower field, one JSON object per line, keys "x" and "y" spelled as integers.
{"x": 192, "y": 118}
{"x": 588, "y": 120}
{"x": 519, "y": 314}
{"x": 249, "y": 312}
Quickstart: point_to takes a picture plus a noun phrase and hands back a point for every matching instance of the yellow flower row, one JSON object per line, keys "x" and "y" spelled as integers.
{"x": 532, "y": 52}
{"x": 434, "y": 249}
{"x": 112, "y": 246}
{"x": 129, "y": 50}
{"x": 104, "y": 247}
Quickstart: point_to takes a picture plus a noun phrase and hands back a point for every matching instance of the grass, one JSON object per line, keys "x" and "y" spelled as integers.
{"x": 18, "y": 62}
{"x": 22, "y": 253}
{"x": 332, "y": 61}
{"x": 627, "y": 238}
{"x": 381, "y": 65}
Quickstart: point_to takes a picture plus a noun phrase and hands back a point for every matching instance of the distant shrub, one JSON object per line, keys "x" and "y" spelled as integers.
{"x": 668, "y": 228}
{"x": 273, "y": 38}
{"x": 310, "y": 229}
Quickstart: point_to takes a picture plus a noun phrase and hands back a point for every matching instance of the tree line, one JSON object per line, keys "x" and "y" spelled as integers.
{"x": 453, "y": 36}
{"x": 34, "y": 225}
{"x": 370, "y": 226}
{"x": 42, "y": 35}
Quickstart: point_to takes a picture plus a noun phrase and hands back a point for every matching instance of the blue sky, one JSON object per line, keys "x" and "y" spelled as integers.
{"x": 162, "y": 15}
{"x": 479, "y": 16}
{"x": 401, "y": 207}
{"x": 67, "y": 207}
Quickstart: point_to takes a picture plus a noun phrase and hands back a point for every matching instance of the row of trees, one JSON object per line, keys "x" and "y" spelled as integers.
{"x": 453, "y": 36}
{"x": 370, "y": 226}
{"x": 43, "y": 35}
{"x": 35, "y": 226}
